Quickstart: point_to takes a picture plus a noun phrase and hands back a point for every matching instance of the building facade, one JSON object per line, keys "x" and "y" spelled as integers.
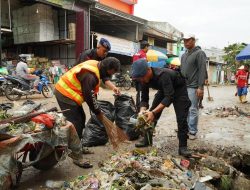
{"x": 216, "y": 74}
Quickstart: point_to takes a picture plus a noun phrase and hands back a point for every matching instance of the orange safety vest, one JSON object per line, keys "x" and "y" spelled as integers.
{"x": 70, "y": 86}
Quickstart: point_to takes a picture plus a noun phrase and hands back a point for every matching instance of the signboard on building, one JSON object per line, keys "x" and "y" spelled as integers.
{"x": 119, "y": 45}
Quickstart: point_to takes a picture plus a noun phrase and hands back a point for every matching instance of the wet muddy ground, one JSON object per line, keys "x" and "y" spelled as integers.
{"x": 215, "y": 133}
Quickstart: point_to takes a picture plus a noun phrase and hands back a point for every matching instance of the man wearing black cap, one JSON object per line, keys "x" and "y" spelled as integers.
{"x": 171, "y": 88}
{"x": 142, "y": 54}
{"x": 98, "y": 54}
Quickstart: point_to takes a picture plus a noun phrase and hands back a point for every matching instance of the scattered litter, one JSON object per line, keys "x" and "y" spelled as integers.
{"x": 231, "y": 111}
{"x": 206, "y": 178}
{"x": 147, "y": 170}
{"x": 168, "y": 164}
{"x": 201, "y": 186}
{"x": 185, "y": 163}
{"x": 227, "y": 111}
{"x": 137, "y": 170}
{"x": 54, "y": 184}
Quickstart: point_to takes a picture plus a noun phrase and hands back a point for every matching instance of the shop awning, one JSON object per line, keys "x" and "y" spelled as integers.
{"x": 120, "y": 46}
{"x": 155, "y": 33}
{"x": 64, "y": 4}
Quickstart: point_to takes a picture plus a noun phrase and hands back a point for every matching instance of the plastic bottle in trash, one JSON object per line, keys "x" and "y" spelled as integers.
{"x": 54, "y": 184}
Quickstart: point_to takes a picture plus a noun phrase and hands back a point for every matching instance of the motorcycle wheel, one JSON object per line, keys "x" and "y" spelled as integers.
{"x": 1, "y": 92}
{"x": 10, "y": 95}
{"x": 47, "y": 162}
{"x": 127, "y": 85}
{"x": 47, "y": 91}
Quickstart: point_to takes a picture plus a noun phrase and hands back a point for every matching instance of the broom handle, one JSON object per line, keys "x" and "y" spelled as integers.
{"x": 208, "y": 91}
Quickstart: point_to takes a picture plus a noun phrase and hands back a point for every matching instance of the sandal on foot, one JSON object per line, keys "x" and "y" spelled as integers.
{"x": 83, "y": 163}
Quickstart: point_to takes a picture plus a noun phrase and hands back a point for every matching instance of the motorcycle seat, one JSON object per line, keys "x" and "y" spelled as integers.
{"x": 11, "y": 77}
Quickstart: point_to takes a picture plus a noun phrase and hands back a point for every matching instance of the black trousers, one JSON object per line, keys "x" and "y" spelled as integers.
{"x": 75, "y": 115}
{"x": 138, "y": 95}
{"x": 181, "y": 105}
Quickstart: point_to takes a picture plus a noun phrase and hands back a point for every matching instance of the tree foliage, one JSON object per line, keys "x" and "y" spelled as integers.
{"x": 231, "y": 51}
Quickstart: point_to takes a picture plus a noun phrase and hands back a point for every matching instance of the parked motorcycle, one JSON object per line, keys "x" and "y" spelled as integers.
{"x": 18, "y": 87}
{"x": 122, "y": 80}
{"x": 3, "y": 84}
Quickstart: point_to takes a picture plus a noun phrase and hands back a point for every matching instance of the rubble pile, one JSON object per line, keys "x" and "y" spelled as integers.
{"x": 235, "y": 156}
{"x": 228, "y": 111}
{"x": 148, "y": 171}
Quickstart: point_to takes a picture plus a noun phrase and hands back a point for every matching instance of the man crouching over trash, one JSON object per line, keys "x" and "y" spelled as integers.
{"x": 171, "y": 89}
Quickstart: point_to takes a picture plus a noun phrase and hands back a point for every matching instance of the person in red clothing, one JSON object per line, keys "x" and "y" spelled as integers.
{"x": 242, "y": 77}
{"x": 142, "y": 54}
{"x": 143, "y": 51}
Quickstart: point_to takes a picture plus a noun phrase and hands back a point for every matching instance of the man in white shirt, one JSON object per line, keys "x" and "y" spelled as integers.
{"x": 23, "y": 72}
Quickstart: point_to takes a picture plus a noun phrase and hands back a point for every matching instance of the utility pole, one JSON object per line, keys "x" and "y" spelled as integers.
{"x": 0, "y": 33}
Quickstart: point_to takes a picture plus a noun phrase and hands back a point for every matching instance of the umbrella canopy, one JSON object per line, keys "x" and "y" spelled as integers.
{"x": 244, "y": 54}
{"x": 158, "y": 64}
{"x": 155, "y": 56}
{"x": 173, "y": 61}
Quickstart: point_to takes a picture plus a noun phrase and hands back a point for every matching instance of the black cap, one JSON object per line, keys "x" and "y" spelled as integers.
{"x": 105, "y": 43}
{"x": 139, "y": 68}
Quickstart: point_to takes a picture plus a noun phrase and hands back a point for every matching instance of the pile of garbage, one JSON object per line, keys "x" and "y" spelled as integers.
{"x": 27, "y": 118}
{"x": 228, "y": 111}
{"x": 140, "y": 170}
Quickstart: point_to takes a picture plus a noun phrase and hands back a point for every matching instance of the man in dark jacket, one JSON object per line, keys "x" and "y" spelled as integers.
{"x": 98, "y": 54}
{"x": 171, "y": 88}
{"x": 193, "y": 68}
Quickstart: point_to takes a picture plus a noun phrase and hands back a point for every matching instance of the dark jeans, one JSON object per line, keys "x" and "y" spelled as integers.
{"x": 75, "y": 115}
{"x": 138, "y": 95}
{"x": 181, "y": 105}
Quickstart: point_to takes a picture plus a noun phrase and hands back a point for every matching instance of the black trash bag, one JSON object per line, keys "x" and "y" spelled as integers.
{"x": 95, "y": 133}
{"x": 125, "y": 108}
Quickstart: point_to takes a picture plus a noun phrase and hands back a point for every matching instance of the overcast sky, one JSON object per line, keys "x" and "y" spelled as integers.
{"x": 215, "y": 22}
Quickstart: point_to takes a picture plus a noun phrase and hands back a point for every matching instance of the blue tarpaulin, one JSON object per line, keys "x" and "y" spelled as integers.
{"x": 244, "y": 54}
